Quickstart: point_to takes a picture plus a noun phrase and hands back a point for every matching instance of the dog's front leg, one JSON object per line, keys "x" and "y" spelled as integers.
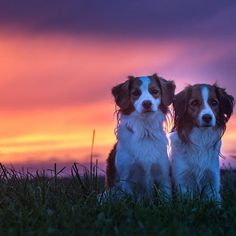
{"x": 161, "y": 179}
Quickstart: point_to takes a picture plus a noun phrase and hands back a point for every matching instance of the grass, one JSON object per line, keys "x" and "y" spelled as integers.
{"x": 41, "y": 205}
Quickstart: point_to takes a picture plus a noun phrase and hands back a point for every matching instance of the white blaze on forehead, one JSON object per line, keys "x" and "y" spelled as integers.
{"x": 145, "y": 83}
{"x": 146, "y": 96}
{"x": 205, "y": 94}
{"x": 206, "y": 109}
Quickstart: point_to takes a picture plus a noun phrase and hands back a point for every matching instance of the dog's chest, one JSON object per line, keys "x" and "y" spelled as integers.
{"x": 205, "y": 146}
{"x": 200, "y": 157}
{"x": 143, "y": 145}
{"x": 141, "y": 142}
{"x": 202, "y": 152}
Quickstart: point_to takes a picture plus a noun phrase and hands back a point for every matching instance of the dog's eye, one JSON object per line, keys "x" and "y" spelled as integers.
{"x": 195, "y": 103}
{"x": 213, "y": 102}
{"x": 136, "y": 93}
{"x": 154, "y": 91}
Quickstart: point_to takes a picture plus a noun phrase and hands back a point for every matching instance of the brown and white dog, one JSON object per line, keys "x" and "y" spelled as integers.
{"x": 139, "y": 159}
{"x": 201, "y": 114}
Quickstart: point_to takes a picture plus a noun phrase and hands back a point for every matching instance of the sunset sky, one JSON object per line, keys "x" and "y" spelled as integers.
{"x": 59, "y": 60}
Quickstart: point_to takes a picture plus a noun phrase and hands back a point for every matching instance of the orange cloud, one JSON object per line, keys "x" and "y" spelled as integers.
{"x": 58, "y": 129}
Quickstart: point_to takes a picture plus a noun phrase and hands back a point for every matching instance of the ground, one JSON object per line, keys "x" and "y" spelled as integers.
{"x": 39, "y": 205}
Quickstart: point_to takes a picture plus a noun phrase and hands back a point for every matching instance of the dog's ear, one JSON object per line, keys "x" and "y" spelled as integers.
{"x": 121, "y": 94}
{"x": 167, "y": 89}
{"x": 180, "y": 104}
{"x": 226, "y": 102}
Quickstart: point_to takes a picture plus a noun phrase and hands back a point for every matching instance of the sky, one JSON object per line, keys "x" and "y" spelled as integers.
{"x": 60, "y": 59}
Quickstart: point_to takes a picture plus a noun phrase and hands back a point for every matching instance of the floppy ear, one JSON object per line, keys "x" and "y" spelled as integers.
{"x": 180, "y": 108}
{"x": 226, "y": 102}
{"x": 180, "y": 104}
{"x": 121, "y": 94}
{"x": 167, "y": 89}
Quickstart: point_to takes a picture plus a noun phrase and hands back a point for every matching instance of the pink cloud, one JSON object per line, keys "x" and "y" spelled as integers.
{"x": 55, "y": 89}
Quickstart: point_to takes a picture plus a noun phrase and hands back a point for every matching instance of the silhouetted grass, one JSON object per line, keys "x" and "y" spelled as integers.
{"x": 41, "y": 205}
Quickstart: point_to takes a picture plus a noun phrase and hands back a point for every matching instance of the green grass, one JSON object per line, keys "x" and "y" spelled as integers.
{"x": 38, "y": 205}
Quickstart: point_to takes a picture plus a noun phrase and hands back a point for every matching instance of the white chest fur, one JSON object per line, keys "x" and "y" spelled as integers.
{"x": 142, "y": 141}
{"x": 203, "y": 149}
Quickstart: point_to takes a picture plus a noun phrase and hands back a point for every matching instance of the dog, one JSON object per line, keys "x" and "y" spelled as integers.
{"x": 139, "y": 159}
{"x": 201, "y": 114}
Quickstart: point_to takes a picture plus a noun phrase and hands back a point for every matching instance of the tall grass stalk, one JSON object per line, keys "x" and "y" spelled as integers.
{"x": 91, "y": 154}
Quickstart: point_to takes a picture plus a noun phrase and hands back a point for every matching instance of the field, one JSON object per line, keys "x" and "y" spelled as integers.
{"x": 39, "y": 205}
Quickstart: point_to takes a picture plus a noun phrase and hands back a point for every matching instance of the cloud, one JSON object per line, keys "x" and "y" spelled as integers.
{"x": 119, "y": 18}
{"x": 61, "y": 53}
{"x": 56, "y": 71}
{"x": 59, "y": 61}
{"x": 64, "y": 157}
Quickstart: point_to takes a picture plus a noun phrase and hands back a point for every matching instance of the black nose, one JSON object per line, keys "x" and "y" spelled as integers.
{"x": 147, "y": 104}
{"x": 207, "y": 118}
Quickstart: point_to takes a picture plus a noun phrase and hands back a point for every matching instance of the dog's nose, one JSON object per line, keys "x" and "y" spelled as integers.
{"x": 207, "y": 118}
{"x": 147, "y": 104}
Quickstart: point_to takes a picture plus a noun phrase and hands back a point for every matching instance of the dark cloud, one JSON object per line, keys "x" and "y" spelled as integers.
{"x": 137, "y": 18}
{"x": 223, "y": 72}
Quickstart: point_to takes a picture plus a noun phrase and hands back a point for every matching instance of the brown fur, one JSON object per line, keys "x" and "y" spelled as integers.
{"x": 121, "y": 93}
{"x": 167, "y": 92}
{"x": 110, "y": 168}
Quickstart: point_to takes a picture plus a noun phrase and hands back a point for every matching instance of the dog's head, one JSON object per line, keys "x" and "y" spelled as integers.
{"x": 144, "y": 94}
{"x": 201, "y": 105}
